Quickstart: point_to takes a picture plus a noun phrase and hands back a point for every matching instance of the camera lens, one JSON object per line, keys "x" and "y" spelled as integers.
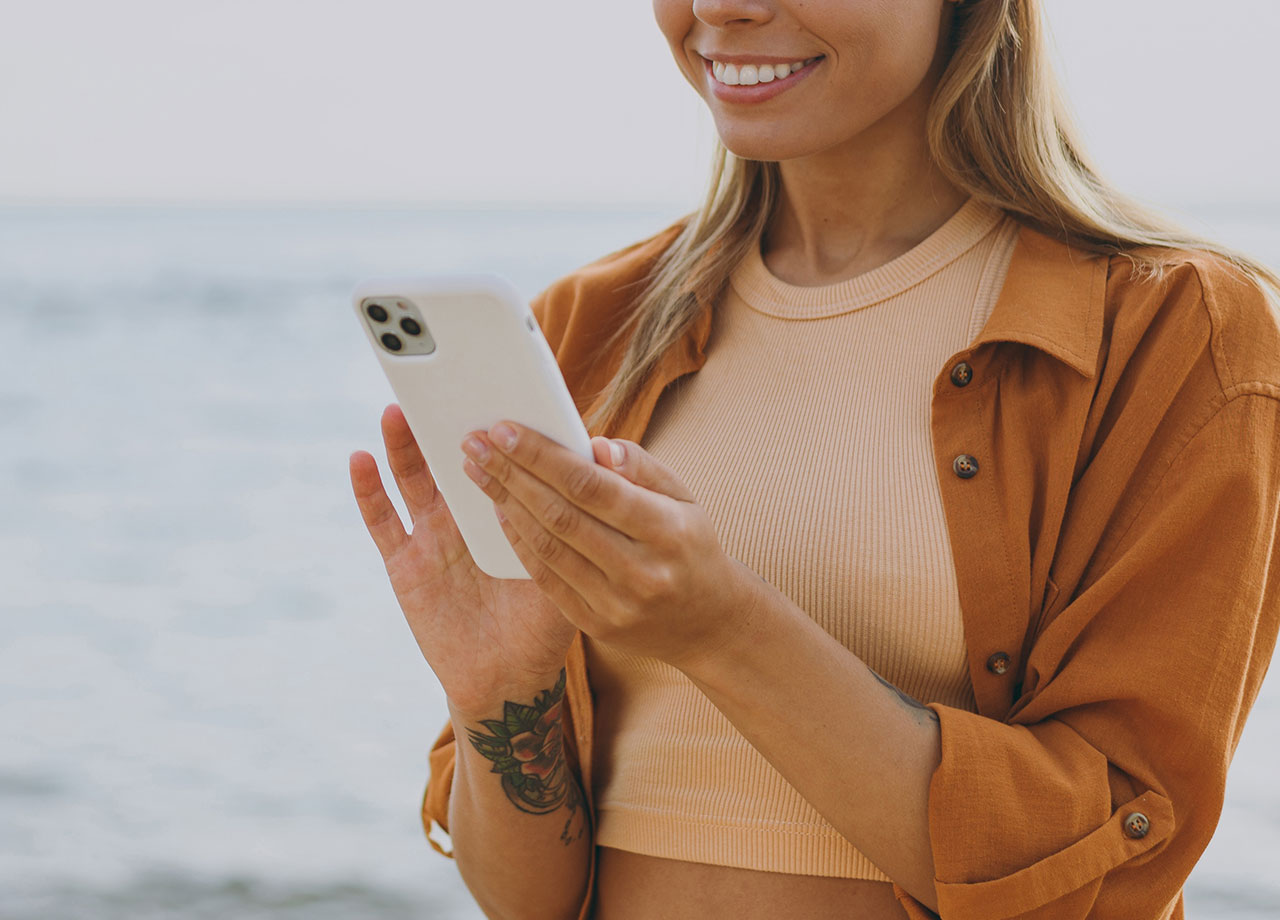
{"x": 410, "y": 326}
{"x": 392, "y": 342}
{"x": 378, "y": 314}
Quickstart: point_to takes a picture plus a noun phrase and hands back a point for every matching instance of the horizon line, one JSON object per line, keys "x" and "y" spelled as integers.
{"x": 353, "y": 204}
{"x": 1264, "y": 206}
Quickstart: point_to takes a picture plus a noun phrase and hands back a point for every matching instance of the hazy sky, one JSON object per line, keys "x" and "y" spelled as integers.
{"x": 410, "y": 101}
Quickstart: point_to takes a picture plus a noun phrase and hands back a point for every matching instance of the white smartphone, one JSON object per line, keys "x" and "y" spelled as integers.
{"x": 462, "y": 353}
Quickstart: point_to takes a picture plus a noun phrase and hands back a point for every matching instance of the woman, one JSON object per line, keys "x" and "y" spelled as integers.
{"x": 940, "y": 584}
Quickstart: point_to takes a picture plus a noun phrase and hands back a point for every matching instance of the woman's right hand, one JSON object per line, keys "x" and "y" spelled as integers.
{"x": 488, "y": 640}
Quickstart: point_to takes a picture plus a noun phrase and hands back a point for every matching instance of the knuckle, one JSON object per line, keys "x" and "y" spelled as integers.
{"x": 544, "y": 545}
{"x": 542, "y": 576}
{"x": 654, "y": 584}
{"x": 560, "y": 517}
{"x": 529, "y": 451}
{"x": 375, "y": 513}
{"x": 406, "y": 461}
{"x": 378, "y": 521}
{"x": 518, "y": 542}
{"x": 496, "y": 491}
{"x": 582, "y": 484}
{"x": 680, "y": 531}
{"x": 498, "y": 468}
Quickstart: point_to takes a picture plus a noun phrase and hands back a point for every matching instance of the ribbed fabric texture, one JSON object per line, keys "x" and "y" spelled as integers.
{"x": 806, "y": 437}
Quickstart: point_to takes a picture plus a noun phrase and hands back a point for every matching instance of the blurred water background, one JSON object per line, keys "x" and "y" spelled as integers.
{"x": 209, "y": 703}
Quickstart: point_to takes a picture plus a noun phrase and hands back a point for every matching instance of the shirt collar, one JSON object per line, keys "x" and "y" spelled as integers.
{"x": 1053, "y": 299}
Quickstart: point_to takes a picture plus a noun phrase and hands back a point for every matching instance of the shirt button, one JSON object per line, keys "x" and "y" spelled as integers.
{"x": 961, "y": 374}
{"x": 1136, "y": 825}
{"x": 966, "y": 466}
{"x": 998, "y": 663}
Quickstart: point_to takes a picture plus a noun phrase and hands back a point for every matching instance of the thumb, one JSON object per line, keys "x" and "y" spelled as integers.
{"x": 629, "y": 459}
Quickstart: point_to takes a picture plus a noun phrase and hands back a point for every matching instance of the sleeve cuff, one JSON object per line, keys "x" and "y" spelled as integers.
{"x": 1056, "y": 876}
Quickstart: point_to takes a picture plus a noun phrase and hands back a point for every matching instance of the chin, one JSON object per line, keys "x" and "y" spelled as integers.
{"x": 771, "y": 146}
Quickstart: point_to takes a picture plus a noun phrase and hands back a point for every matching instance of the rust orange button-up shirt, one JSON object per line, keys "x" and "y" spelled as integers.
{"x": 1109, "y": 462}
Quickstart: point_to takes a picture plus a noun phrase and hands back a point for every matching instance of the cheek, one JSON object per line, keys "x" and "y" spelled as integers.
{"x": 885, "y": 57}
{"x": 675, "y": 19}
{"x": 909, "y": 43}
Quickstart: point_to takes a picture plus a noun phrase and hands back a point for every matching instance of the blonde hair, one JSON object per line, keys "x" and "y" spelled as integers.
{"x": 998, "y": 128}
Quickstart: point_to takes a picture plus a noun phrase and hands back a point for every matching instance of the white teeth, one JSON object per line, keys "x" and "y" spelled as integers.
{"x": 751, "y": 74}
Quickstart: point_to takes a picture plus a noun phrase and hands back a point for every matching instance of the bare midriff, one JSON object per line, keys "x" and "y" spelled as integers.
{"x": 632, "y": 886}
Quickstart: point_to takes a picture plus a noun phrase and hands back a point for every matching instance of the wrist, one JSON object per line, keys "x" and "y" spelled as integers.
{"x": 759, "y": 610}
{"x": 522, "y": 741}
{"x": 514, "y": 702}
{"x": 490, "y": 701}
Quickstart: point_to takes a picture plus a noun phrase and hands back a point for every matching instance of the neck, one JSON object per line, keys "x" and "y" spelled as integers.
{"x": 852, "y": 208}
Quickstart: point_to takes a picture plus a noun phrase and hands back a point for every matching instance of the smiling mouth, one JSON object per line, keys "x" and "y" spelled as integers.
{"x": 751, "y": 74}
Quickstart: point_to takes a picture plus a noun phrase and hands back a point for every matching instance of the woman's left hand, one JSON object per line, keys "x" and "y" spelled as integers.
{"x": 620, "y": 545}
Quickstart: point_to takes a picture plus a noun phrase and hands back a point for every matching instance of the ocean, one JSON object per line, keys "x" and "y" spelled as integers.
{"x": 210, "y": 705}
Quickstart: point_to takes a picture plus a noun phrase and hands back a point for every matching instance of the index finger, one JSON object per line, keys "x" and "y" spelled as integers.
{"x": 408, "y": 467}
{"x": 605, "y": 495}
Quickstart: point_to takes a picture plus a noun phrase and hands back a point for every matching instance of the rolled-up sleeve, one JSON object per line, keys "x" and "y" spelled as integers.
{"x": 435, "y": 801}
{"x": 1102, "y": 788}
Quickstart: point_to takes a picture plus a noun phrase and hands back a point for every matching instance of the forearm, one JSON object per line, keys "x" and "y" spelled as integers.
{"x": 858, "y": 750}
{"x": 632, "y": 560}
{"x": 521, "y": 836}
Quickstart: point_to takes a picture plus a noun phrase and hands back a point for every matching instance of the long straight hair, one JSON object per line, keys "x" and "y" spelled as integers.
{"x": 998, "y": 128}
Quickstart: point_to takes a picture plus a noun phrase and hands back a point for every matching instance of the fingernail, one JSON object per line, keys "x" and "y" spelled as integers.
{"x": 502, "y": 518}
{"x": 503, "y": 435}
{"x": 474, "y": 448}
{"x": 617, "y": 453}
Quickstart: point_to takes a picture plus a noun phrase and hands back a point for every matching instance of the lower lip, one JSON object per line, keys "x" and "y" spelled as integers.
{"x": 760, "y": 92}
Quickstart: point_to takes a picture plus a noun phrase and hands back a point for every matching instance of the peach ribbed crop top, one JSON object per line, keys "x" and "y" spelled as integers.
{"x": 806, "y": 438}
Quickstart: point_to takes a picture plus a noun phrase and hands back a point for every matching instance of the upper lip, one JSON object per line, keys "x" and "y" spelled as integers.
{"x": 753, "y": 58}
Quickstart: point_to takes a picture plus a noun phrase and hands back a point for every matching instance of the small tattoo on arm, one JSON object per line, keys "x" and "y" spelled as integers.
{"x": 907, "y": 698}
{"x": 526, "y": 747}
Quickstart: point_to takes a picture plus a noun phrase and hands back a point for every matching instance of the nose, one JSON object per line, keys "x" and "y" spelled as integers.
{"x": 722, "y": 13}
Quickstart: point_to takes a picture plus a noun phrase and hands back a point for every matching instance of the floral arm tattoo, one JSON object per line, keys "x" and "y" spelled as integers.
{"x": 527, "y": 748}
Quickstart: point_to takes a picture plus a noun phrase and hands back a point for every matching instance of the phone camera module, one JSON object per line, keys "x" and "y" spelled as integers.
{"x": 396, "y": 325}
